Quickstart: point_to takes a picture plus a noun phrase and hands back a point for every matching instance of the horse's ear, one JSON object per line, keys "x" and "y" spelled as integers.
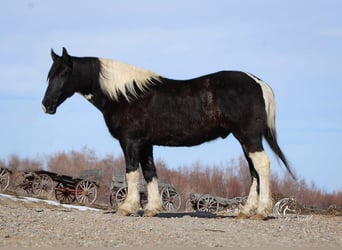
{"x": 66, "y": 58}
{"x": 54, "y": 55}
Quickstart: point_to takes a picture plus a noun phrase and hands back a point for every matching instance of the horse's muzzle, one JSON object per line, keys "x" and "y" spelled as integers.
{"x": 48, "y": 110}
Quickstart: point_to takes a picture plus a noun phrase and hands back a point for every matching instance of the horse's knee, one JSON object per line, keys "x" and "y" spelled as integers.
{"x": 261, "y": 162}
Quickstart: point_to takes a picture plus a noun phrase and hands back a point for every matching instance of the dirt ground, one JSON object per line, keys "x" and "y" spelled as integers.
{"x": 38, "y": 224}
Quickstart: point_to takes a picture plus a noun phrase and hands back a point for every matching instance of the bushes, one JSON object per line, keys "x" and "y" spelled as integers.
{"x": 225, "y": 180}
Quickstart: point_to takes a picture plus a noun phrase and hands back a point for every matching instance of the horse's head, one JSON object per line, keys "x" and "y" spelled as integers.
{"x": 60, "y": 86}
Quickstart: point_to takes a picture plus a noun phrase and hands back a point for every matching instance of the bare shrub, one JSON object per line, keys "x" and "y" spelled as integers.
{"x": 225, "y": 180}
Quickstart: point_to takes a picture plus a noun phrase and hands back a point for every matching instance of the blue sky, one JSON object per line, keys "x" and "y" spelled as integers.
{"x": 294, "y": 46}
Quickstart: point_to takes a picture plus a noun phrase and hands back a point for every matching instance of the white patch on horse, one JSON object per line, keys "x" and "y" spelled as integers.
{"x": 132, "y": 201}
{"x": 118, "y": 78}
{"x": 153, "y": 197}
{"x": 270, "y": 105}
{"x": 88, "y": 97}
{"x": 251, "y": 205}
{"x": 262, "y": 165}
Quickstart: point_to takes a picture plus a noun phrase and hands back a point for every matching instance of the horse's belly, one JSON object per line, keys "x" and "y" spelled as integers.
{"x": 189, "y": 137}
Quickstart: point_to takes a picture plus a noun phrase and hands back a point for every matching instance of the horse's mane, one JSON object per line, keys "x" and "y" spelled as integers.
{"x": 118, "y": 78}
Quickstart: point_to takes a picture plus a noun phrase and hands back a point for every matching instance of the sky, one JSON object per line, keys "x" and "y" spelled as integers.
{"x": 294, "y": 46}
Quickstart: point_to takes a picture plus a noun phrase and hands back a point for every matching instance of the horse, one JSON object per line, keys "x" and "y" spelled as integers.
{"x": 142, "y": 109}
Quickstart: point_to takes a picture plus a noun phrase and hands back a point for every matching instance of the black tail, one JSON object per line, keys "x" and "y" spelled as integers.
{"x": 271, "y": 138}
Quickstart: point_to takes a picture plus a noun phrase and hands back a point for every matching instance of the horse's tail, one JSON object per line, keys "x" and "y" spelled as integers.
{"x": 271, "y": 133}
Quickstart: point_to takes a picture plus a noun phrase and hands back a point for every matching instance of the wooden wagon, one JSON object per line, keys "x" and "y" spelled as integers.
{"x": 67, "y": 189}
{"x": 213, "y": 204}
{"x": 171, "y": 199}
{"x": 284, "y": 207}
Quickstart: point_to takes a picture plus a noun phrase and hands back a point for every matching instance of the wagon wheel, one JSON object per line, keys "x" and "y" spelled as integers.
{"x": 64, "y": 194}
{"x": 286, "y": 207}
{"x": 207, "y": 203}
{"x": 86, "y": 192}
{"x": 112, "y": 199}
{"x": 23, "y": 184}
{"x": 4, "y": 179}
{"x": 121, "y": 195}
{"x": 170, "y": 198}
{"x": 43, "y": 185}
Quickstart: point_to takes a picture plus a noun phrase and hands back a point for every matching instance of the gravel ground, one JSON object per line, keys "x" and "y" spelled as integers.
{"x": 25, "y": 224}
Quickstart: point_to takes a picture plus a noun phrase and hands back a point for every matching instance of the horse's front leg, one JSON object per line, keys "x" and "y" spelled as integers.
{"x": 132, "y": 202}
{"x": 154, "y": 203}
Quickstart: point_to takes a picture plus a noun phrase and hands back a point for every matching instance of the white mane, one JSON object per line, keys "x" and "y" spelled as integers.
{"x": 118, "y": 78}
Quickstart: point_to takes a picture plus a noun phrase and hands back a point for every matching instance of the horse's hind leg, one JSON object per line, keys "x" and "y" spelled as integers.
{"x": 259, "y": 202}
{"x": 249, "y": 209}
{"x": 154, "y": 203}
{"x": 262, "y": 165}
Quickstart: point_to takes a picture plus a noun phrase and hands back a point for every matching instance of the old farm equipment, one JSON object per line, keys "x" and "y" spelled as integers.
{"x": 67, "y": 189}
{"x": 171, "y": 199}
{"x": 4, "y": 178}
{"x": 284, "y": 207}
{"x": 213, "y": 204}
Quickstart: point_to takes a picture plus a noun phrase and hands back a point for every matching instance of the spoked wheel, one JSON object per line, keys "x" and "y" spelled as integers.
{"x": 64, "y": 194}
{"x": 171, "y": 199}
{"x": 121, "y": 195}
{"x": 43, "y": 185}
{"x": 207, "y": 203}
{"x": 23, "y": 183}
{"x": 4, "y": 179}
{"x": 86, "y": 192}
{"x": 286, "y": 207}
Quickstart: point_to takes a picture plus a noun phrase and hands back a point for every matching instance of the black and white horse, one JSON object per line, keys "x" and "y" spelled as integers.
{"x": 142, "y": 109}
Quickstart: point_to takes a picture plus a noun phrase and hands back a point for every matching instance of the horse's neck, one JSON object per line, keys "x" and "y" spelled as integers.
{"x": 97, "y": 98}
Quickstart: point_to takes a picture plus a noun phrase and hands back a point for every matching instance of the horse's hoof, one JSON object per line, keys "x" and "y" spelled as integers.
{"x": 150, "y": 213}
{"x": 123, "y": 212}
{"x": 258, "y": 217}
{"x": 242, "y": 216}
